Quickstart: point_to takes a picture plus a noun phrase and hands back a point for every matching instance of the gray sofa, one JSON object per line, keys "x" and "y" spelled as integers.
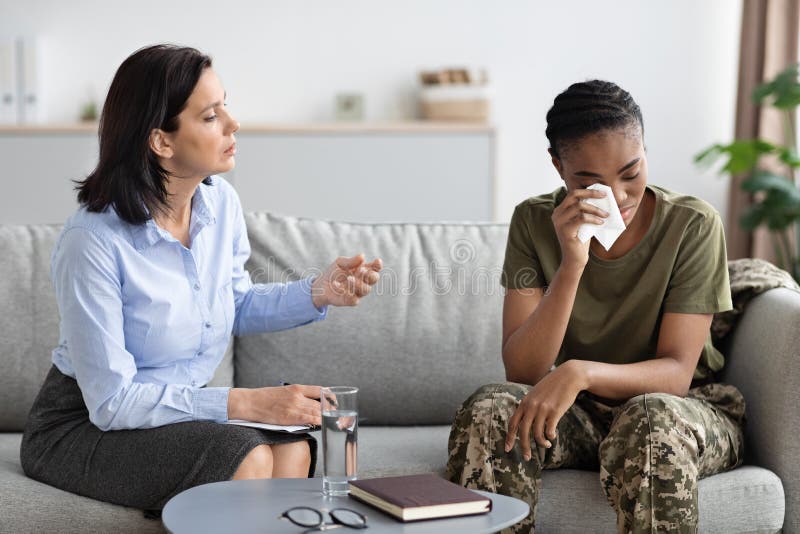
{"x": 426, "y": 338}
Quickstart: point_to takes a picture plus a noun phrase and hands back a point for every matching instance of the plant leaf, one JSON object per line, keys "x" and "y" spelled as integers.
{"x": 764, "y": 181}
{"x": 752, "y": 217}
{"x": 780, "y": 209}
{"x": 742, "y": 156}
{"x": 708, "y": 156}
{"x": 789, "y": 156}
{"x": 783, "y": 91}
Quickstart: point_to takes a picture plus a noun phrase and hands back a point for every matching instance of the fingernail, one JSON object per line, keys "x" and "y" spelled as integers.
{"x": 547, "y": 444}
{"x": 527, "y": 457}
{"x": 508, "y": 447}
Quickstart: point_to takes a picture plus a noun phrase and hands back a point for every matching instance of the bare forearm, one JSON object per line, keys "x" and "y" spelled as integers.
{"x": 531, "y": 350}
{"x": 623, "y": 381}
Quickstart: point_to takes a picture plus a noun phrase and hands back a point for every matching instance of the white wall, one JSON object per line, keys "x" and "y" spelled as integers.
{"x": 283, "y": 60}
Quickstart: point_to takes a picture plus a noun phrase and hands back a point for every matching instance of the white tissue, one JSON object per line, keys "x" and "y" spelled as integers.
{"x": 612, "y": 226}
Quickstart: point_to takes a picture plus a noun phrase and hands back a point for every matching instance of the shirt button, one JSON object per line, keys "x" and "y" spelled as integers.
{"x": 194, "y": 383}
{"x": 208, "y": 324}
{"x": 199, "y": 353}
{"x": 197, "y": 287}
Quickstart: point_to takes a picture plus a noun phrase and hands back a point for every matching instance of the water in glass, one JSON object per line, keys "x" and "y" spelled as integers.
{"x": 340, "y": 447}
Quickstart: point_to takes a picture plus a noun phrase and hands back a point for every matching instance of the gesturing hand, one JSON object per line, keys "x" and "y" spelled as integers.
{"x": 345, "y": 281}
{"x": 542, "y": 409}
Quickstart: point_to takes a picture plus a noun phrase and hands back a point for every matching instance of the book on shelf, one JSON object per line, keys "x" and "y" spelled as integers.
{"x": 29, "y": 75}
{"x": 416, "y": 497}
{"x": 20, "y": 80}
{"x": 8, "y": 81}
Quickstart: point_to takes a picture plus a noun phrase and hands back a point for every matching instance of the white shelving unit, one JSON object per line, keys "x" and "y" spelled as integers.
{"x": 360, "y": 172}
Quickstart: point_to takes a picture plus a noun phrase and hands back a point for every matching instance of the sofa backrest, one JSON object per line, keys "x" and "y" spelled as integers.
{"x": 418, "y": 346}
{"x": 29, "y": 326}
{"x": 421, "y": 343}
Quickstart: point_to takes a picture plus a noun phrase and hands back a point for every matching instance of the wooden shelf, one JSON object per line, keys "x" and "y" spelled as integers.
{"x": 47, "y": 129}
{"x": 284, "y": 128}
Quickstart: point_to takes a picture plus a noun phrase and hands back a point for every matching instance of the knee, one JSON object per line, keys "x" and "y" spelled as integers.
{"x": 485, "y": 392}
{"x": 257, "y": 464}
{"x": 304, "y": 453}
{"x": 26, "y": 461}
{"x": 643, "y": 422}
{"x": 496, "y": 394}
{"x": 30, "y": 456}
{"x": 301, "y": 450}
{"x": 643, "y": 414}
{"x": 291, "y": 460}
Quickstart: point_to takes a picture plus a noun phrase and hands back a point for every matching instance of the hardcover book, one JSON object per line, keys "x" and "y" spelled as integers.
{"x": 415, "y": 497}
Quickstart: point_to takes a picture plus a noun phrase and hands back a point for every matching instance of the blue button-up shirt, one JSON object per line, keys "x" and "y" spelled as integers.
{"x": 145, "y": 321}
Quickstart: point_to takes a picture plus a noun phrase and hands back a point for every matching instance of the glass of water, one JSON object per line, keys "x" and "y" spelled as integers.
{"x": 339, "y": 438}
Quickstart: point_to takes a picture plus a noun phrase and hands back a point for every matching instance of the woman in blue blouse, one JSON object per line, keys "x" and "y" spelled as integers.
{"x": 150, "y": 283}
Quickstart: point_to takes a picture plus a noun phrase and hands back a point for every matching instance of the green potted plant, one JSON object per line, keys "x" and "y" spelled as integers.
{"x": 776, "y": 194}
{"x": 89, "y": 111}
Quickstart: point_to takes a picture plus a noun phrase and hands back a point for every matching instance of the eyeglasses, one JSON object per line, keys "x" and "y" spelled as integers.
{"x": 304, "y": 516}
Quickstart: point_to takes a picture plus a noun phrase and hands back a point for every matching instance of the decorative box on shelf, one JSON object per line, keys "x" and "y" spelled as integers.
{"x": 455, "y": 95}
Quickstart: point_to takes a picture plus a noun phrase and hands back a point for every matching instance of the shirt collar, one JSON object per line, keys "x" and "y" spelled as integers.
{"x": 201, "y": 206}
{"x": 147, "y": 234}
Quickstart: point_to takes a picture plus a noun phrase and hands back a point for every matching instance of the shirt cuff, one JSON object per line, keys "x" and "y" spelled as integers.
{"x": 211, "y": 404}
{"x": 299, "y": 301}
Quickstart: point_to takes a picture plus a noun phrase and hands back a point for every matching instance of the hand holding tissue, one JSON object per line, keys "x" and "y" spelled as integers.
{"x": 608, "y": 232}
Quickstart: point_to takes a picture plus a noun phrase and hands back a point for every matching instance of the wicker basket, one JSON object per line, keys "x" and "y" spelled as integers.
{"x": 455, "y": 103}
{"x": 456, "y": 110}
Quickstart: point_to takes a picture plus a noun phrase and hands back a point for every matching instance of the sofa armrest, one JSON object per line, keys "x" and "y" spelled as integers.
{"x": 763, "y": 363}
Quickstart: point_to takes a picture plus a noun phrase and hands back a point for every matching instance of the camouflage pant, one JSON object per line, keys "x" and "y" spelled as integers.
{"x": 650, "y": 450}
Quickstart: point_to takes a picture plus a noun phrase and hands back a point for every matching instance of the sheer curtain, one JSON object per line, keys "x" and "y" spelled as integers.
{"x": 769, "y": 42}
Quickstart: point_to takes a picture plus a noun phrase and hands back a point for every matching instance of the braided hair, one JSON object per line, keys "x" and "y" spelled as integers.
{"x": 590, "y": 107}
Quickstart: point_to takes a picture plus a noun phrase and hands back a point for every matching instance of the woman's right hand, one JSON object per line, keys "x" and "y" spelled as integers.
{"x": 568, "y": 218}
{"x": 285, "y": 405}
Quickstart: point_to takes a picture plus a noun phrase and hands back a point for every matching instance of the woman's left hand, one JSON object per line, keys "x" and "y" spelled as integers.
{"x": 543, "y": 407}
{"x": 345, "y": 281}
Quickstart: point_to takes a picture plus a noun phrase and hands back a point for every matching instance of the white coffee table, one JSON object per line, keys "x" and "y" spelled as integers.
{"x": 245, "y": 506}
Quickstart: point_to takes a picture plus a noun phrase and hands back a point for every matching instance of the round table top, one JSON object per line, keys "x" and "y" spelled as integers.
{"x": 245, "y": 506}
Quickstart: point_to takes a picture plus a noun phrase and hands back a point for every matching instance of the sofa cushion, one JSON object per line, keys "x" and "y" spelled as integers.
{"x": 30, "y": 506}
{"x": 747, "y": 499}
{"x": 421, "y": 343}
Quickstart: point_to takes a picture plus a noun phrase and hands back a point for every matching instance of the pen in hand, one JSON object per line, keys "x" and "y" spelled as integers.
{"x": 282, "y": 383}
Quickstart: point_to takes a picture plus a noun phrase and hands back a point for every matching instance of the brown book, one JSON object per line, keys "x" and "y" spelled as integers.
{"x": 415, "y": 497}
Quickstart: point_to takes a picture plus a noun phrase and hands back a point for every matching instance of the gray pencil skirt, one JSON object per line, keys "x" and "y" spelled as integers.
{"x": 138, "y": 468}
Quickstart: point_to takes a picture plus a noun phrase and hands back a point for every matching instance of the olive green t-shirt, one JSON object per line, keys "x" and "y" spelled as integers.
{"x": 680, "y": 266}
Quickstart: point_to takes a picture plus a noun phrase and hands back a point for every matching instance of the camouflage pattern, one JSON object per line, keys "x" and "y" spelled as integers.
{"x": 749, "y": 277}
{"x": 651, "y": 450}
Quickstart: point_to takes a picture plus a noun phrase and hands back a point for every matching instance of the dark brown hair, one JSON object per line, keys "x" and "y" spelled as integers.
{"x": 149, "y": 90}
